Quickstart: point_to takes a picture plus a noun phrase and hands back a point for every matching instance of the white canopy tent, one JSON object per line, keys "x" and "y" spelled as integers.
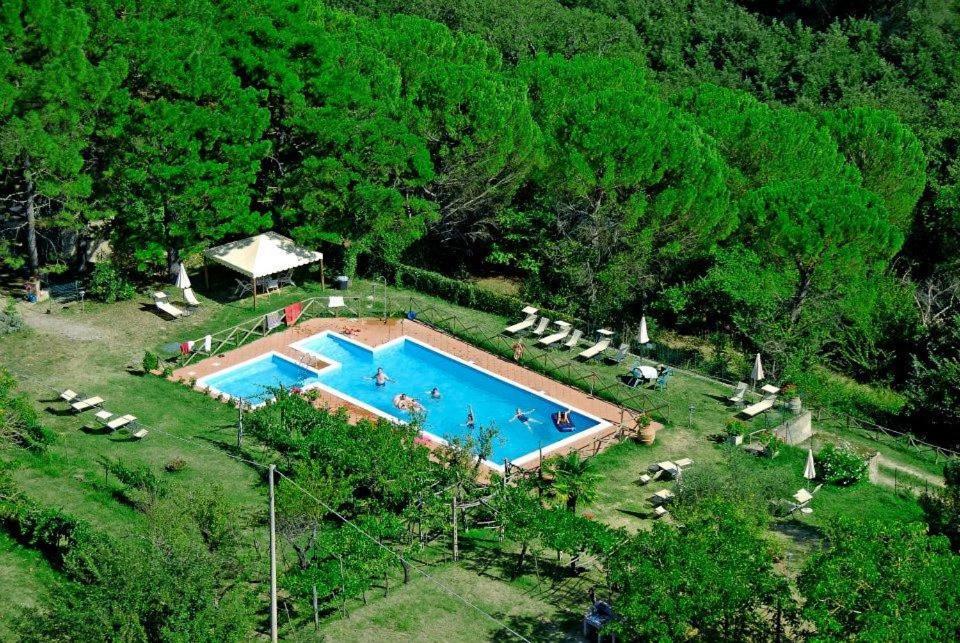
{"x": 262, "y": 255}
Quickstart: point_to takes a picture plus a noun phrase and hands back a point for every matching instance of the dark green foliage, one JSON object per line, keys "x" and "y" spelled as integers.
{"x": 20, "y": 423}
{"x": 10, "y": 319}
{"x": 107, "y": 284}
{"x": 841, "y": 465}
{"x": 713, "y": 575}
{"x": 150, "y": 362}
{"x": 882, "y": 581}
{"x": 941, "y": 507}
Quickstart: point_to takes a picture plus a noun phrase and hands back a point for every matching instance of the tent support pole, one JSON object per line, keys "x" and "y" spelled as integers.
{"x": 323, "y": 283}
{"x": 254, "y": 293}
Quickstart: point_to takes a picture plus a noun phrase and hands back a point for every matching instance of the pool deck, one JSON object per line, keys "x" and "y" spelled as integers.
{"x": 375, "y": 332}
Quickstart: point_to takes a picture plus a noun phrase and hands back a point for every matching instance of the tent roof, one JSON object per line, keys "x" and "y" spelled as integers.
{"x": 264, "y": 254}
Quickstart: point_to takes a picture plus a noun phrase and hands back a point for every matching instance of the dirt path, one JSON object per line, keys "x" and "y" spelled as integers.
{"x": 54, "y": 324}
{"x": 885, "y": 479}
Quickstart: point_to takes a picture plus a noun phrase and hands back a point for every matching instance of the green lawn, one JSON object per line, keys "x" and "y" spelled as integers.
{"x": 98, "y": 349}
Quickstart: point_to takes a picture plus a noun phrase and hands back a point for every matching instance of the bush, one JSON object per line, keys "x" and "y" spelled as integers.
{"x": 841, "y": 465}
{"x": 107, "y": 284}
{"x": 150, "y": 362}
{"x": 10, "y": 319}
{"x": 455, "y": 291}
{"x": 175, "y": 465}
{"x": 735, "y": 427}
{"x": 836, "y": 392}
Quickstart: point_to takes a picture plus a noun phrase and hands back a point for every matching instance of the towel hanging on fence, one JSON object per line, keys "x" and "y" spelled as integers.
{"x": 272, "y": 321}
{"x": 184, "y": 348}
{"x": 292, "y": 313}
{"x": 207, "y": 342}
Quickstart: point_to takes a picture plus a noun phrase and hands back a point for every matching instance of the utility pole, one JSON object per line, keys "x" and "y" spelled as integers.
{"x": 273, "y": 562}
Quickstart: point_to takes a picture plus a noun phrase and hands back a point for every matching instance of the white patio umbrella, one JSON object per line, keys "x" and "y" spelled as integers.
{"x": 757, "y": 373}
{"x": 183, "y": 279}
{"x": 643, "y": 336}
{"x": 810, "y": 472}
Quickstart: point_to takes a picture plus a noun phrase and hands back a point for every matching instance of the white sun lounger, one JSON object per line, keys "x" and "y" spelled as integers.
{"x": 529, "y": 320}
{"x": 190, "y": 297}
{"x": 660, "y": 512}
{"x": 69, "y": 395}
{"x": 168, "y": 309}
{"x": 542, "y": 326}
{"x": 738, "y": 393}
{"x": 763, "y": 405}
{"x": 596, "y": 349}
{"x": 120, "y": 422}
{"x": 574, "y": 339}
{"x": 557, "y": 336}
{"x": 88, "y": 403}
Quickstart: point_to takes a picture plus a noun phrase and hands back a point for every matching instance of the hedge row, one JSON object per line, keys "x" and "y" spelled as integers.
{"x": 455, "y": 291}
{"x": 51, "y": 531}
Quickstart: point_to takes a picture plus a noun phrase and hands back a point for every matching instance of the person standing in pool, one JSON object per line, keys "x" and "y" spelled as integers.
{"x": 435, "y": 393}
{"x": 471, "y": 422}
{"x": 381, "y": 378}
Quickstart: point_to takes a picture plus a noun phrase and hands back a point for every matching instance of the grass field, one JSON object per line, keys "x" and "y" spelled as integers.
{"x": 98, "y": 348}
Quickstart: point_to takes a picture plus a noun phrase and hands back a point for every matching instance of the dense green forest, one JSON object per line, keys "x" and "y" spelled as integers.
{"x": 782, "y": 173}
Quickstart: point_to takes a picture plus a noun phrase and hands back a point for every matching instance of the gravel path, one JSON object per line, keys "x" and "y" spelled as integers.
{"x": 54, "y": 324}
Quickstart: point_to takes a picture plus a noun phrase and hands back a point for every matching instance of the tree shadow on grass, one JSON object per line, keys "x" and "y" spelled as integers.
{"x": 563, "y": 626}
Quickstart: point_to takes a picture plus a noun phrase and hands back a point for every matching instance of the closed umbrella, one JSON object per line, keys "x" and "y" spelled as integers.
{"x": 757, "y": 373}
{"x": 643, "y": 336}
{"x": 183, "y": 279}
{"x": 810, "y": 472}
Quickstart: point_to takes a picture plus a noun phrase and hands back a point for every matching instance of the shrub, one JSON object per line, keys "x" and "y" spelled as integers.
{"x": 150, "y": 362}
{"x": 841, "y": 465}
{"x": 735, "y": 427}
{"x": 10, "y": 319}
{"x": 108, "y": 284}
{"x": 175, "y": 465}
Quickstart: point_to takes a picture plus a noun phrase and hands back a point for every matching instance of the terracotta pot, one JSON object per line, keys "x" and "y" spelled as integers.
{"x": 648, "y": 434}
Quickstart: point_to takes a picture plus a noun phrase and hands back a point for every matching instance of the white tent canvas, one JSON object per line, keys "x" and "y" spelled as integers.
{"x": 262, "y": 255}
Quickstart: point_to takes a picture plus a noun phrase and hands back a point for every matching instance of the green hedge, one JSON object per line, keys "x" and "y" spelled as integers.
{"x": 455, "y": 291}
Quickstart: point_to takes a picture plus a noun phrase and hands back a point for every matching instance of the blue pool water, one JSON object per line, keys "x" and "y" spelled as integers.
{"x": 415, "y": 369}
{"x": 253, "y": 380}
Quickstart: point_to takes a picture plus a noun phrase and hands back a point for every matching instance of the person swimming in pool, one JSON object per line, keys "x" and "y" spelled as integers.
{"x": 381, "y": 378}
{"x": 523, "y": 416}
{"x": 435, "y": 393}
{"x": 471, "y": 422}
{"x": 401, "y": 401}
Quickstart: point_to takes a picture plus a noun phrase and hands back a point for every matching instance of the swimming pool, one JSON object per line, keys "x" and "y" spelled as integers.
{"x": 252, "y": 380}
{"x": 415, "y": 368}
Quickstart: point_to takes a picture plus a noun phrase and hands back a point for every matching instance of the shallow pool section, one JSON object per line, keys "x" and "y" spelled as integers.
{"x": 253, "y": 380}
{"x": 415, "y": 368}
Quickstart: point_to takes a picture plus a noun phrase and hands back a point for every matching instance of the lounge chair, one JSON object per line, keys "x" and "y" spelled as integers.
{"x": 86, "y": 404}
{"x": 557, "y": 336}
{"x": 596, "y": 349}
{"x": 660, "y": 512}
{"x": 270, "y": 285}
{"x": 286, "y": 279}
{"x": 574, "y": 339}
{"x": 802, "y": 500}
{"x": 621, "y": 353}
{"x": 169, "y": 309}
{"x": 770, "y": 389}
{"x": 683, "y": 463}
{"x": 335, "y": 303}
{"x": 541, "y": 327}
{"x": 243, "y": 287}
{"x": 661, "y": 497}
{"x": 190, "y": 297}
{"x": 136, "y": 430}
{"x": 663, "y": 378}
{"x": 119, "y": 422}
{"x": 738, "y": 393}
{"x": 69, "y": 396}
{"x": 528, "y": 321}
{"x": 759, "y": 407}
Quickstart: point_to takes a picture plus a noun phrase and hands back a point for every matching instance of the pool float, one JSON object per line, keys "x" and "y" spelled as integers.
{"x": 565, "y": 427}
